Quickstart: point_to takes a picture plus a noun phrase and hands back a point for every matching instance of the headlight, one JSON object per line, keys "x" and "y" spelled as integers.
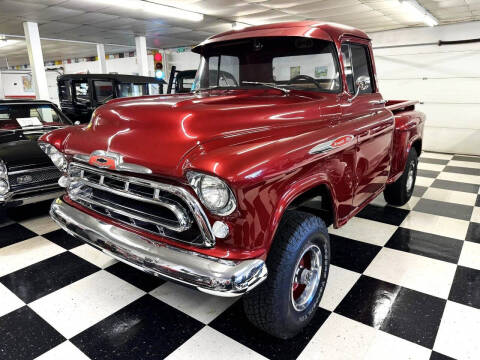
{"x": 56, "y": 156}
{"x": 3, "y": 187}
{"x": 214, "y": 193}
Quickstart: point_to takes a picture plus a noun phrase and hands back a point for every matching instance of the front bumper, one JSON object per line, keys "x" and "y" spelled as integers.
{"x": 207, "y": 274}
{"x": 31, "y": 195}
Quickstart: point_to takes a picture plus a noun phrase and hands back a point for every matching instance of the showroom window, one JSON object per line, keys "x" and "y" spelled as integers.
{"x": 103, "y": 90}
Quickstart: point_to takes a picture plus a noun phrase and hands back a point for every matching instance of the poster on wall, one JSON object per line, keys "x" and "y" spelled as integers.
{"x": 294, "y": 71}
{"x": 27, "y": 83}
{"x": 321, "y": 72}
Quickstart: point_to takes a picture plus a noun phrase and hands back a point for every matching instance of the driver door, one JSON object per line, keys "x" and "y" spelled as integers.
{"x": 369, "y": 121}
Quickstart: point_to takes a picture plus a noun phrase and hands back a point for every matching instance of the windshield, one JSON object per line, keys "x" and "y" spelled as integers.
{"x": 15, "y": 116}
{"x": 289, "y": 62}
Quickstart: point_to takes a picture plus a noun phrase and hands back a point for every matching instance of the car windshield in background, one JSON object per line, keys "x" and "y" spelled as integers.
{"x": 15, "y": 116}
{"x": 288, "y": 62}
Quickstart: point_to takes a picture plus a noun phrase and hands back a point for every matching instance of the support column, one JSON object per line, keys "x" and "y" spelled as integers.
{"x": 141, "y": 51}
{"x": 101, "y": 58}
{"x": 35, "y": 56}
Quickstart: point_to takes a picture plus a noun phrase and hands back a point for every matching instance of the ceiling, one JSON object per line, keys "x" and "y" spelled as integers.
{"x": 96, "y": 21}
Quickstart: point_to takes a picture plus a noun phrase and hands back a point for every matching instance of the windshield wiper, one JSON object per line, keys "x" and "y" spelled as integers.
{"x": 271, "y": 85}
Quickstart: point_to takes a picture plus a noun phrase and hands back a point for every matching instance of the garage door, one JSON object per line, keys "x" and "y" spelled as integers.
{"x": 446, "y": 79}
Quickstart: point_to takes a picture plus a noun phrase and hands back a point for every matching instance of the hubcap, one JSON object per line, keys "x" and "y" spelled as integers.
{"x": 411, "y": 170}
{"x": 306, "y": 277}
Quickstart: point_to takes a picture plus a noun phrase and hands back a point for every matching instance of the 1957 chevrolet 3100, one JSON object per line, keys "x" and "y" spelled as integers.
{"x": 27, "y": 174}
{"x": 230, "y": 189}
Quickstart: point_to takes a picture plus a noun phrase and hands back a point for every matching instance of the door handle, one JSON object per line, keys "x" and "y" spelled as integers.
{"x": 379, "y": 102}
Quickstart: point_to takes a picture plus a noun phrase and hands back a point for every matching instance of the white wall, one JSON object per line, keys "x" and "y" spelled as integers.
{"x": 11, "y": 85}
{"x": 446, "y": 79}
{"x": 186, "y": 60}
{"x": 126, "y": 66}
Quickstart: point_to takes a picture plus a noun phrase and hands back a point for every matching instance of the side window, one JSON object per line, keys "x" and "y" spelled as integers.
{"x": 153, "y": 89}
{"x": 103, "y": 90}
{"x": 64, "y": 91}
{"x": 356, "y": 64}
{"x": 347, "y": 65}
{"x": 361, "y": 65}
{"x": 81, "y": 91}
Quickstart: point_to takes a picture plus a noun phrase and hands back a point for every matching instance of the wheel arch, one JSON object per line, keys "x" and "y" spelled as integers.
{"x": 296, "y": 200}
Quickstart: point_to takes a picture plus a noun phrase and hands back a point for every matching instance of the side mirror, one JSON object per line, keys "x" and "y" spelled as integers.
{"x": 362, "y": 83}
{"x": 76, "y": 123}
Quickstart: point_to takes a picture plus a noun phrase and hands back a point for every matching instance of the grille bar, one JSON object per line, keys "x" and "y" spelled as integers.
{"x": 162, "y": 209}
{"x": 184, "y": 221}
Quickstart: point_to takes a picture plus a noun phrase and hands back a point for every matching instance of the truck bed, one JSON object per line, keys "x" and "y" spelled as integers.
{"x": 397, "y": 106}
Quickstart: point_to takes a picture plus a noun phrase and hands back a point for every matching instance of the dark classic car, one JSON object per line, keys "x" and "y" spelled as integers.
{"x": 80, "y": 94}
{"x": 27, "y": 174}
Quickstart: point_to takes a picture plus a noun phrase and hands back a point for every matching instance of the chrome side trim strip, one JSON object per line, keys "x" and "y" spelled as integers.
{"x": 211, "y": 275}
{"x": 337, "y": 143}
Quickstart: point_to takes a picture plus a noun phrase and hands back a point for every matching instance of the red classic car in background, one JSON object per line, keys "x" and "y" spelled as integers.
{"x": 230, "y": 189}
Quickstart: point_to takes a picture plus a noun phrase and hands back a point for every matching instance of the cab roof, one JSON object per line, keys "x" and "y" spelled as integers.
{"x": 314, "y": 29}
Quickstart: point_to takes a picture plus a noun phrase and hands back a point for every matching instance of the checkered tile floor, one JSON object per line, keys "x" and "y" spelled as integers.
{"x": 404, "y": 284}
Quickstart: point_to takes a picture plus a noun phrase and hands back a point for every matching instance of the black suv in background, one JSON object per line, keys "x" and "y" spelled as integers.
{"x": 81, "y": 94}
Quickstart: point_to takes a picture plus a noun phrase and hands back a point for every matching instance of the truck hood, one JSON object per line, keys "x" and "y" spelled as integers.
{"x": 158, "y": 131}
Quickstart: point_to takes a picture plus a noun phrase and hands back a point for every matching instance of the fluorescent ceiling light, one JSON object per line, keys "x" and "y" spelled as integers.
{"x": 153, "y": 8}
{"x": 4, "y": 42}
{"x": 418, "y": 12}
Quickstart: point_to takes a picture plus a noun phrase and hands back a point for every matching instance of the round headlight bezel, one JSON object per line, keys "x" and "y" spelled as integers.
{"x": 3, "y": 170}
{"x": 198, "y": 181}
{"x": 55, "y": 155}
{"x": 5, "y": 185}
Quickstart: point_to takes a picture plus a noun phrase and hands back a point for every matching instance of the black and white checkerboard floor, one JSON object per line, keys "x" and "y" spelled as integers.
{"x": 404, "y": 284}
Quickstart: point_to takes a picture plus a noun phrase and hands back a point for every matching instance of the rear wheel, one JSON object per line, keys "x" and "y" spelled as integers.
{"x": 297, "y": 265}
{"x": 399, "y": 192}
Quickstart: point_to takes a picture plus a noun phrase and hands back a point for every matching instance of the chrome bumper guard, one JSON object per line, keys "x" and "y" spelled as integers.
{"x": 207, "y": 274}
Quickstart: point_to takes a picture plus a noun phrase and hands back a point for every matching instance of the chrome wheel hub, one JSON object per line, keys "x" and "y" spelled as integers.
{"x": 306, "y": 277}
{"x": 411, "y": 170}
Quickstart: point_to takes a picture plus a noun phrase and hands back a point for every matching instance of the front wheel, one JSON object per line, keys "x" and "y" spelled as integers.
{"x": 399, "y": 192}
{"x": 298, "y": 265}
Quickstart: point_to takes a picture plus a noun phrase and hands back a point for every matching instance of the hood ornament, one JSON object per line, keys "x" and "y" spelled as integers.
{"x": 111, "y": 161}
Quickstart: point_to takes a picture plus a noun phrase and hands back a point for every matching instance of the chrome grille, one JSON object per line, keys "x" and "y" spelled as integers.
{"x": 33, "y": 176}
{"x": 158, "y": 208}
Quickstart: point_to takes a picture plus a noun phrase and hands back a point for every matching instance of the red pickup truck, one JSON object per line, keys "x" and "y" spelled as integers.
{"x": 230, "y": 189}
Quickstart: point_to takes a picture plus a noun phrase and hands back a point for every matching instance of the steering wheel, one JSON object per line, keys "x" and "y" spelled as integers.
{"x": 304, "y": 77}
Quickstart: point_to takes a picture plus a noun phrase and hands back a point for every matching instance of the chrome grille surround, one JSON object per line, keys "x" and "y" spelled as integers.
{"x": 88, "y": 178}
